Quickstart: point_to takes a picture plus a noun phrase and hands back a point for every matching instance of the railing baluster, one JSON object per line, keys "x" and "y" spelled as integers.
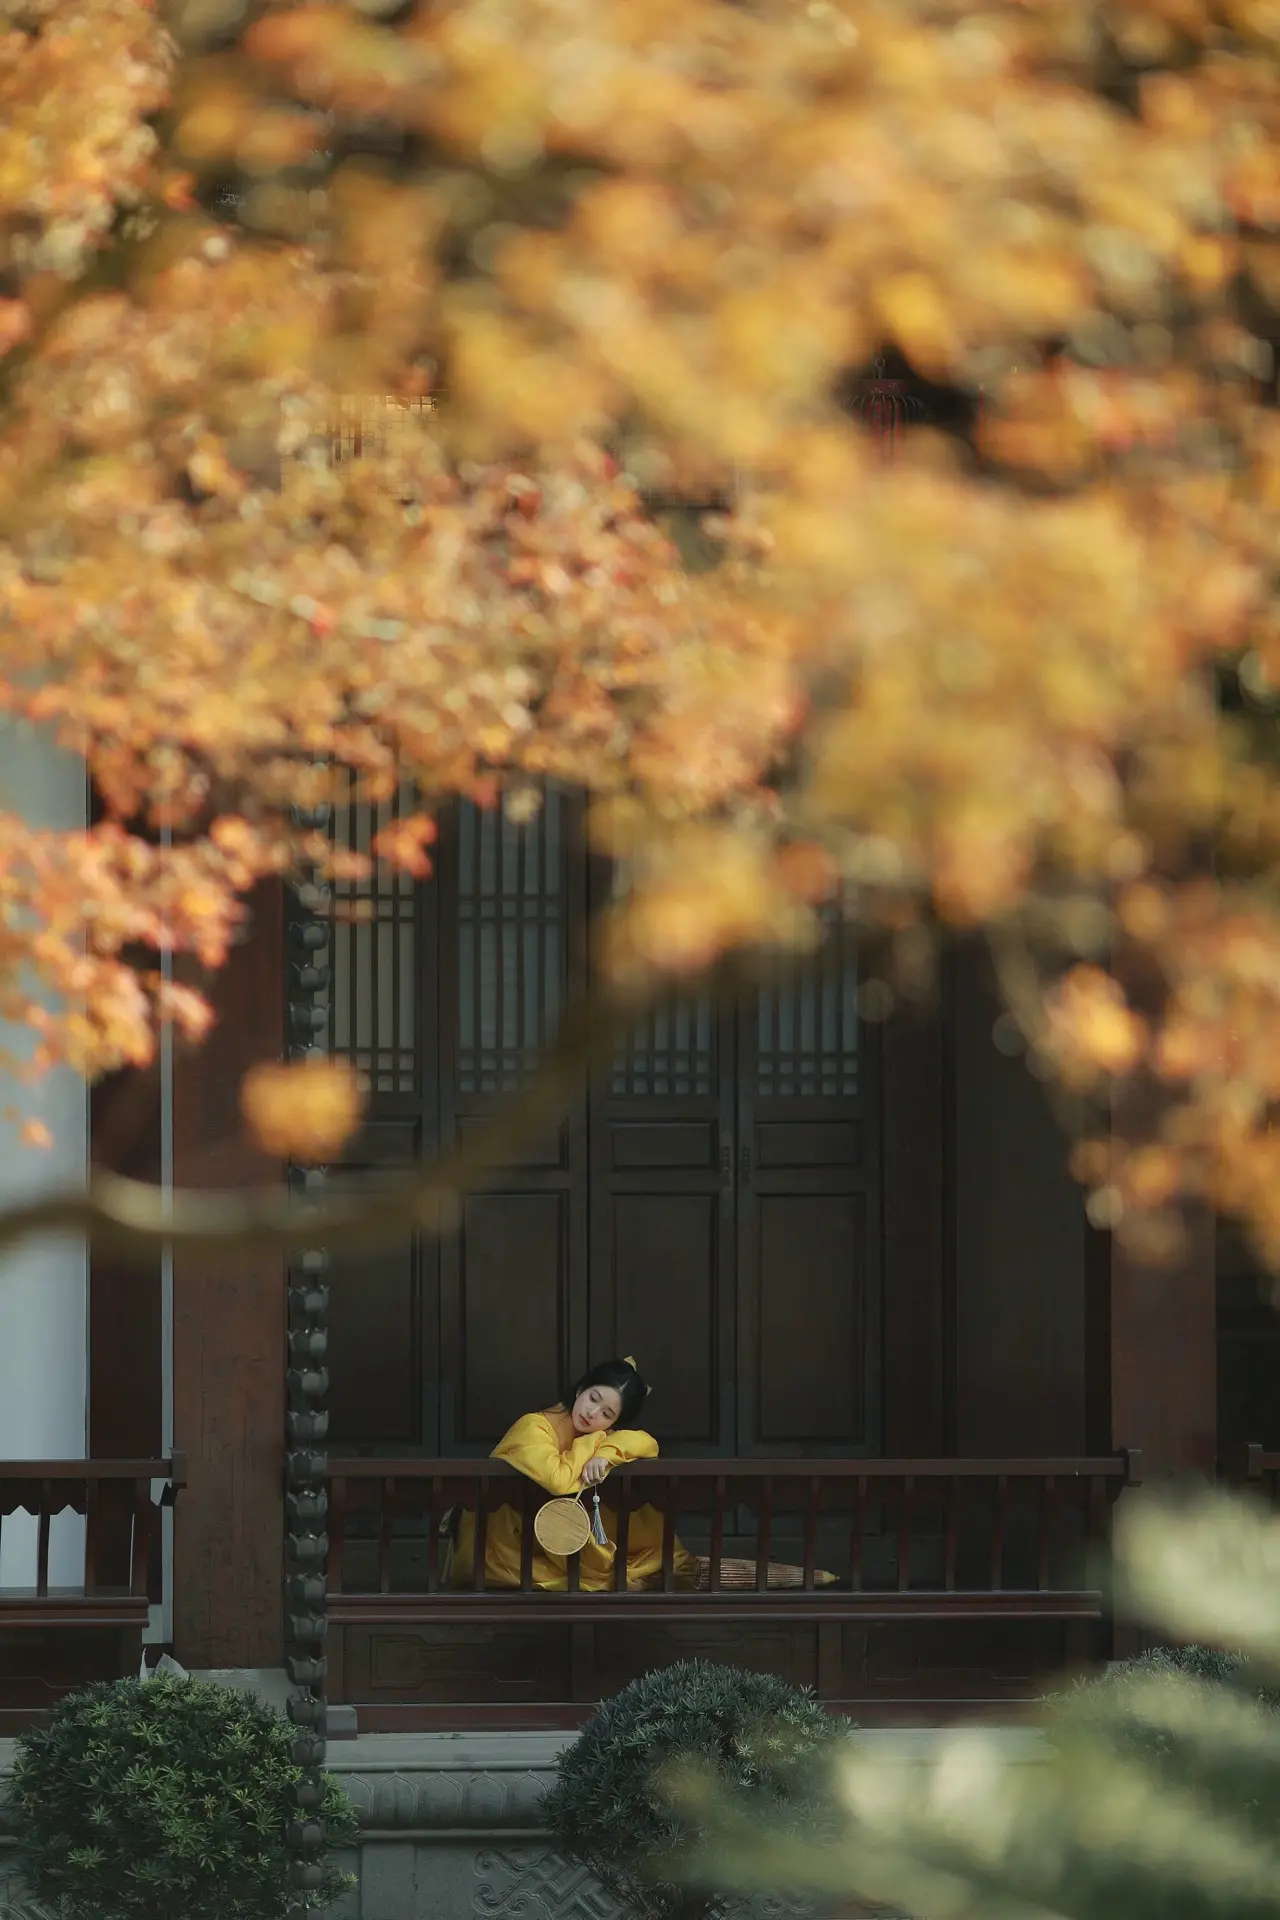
{"x": 142, "y": 1517}
{"x": 385, "y": 1515}
{"x": 481, "y": 1536}
{"x": 952, "y": 1522}
{"x": 1098, "y": 1528}
{"x": 42, "y": 1540}
{"x": 92, "y": 1533}
{"x": 905, "y": 1515}
{"x": 528, "y": 1510}
{"x": 857, "y": 1536}
{"x": 671, "y": 1508}
{"x": 337, "y": 1525}
{"x": 998, "y": 1533}
{"x": 764, "y": 1533}
{"x": 717, "y": 1535}
{"x": 573, "y": 1573}
{"x": 811, "y": 1512}
{"x": 432, "y": 1517}
{"x": 622, "y": 1534}
{"x": 1048, "y": 1513}
{"x": 435, "y": 1547}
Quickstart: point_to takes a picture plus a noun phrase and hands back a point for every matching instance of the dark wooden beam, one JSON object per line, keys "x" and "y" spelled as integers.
{"x": 229, "y": 1333}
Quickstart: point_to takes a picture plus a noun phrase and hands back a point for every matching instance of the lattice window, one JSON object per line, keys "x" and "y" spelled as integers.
{"x": 670, "y": 1052}
{"x": 373, "y": 999}
{"x": 512, "y": 943}
{"x": 807, "y": 1026}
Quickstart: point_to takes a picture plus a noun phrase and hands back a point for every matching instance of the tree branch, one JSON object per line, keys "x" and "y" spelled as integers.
{"x": 127, "y": 1216}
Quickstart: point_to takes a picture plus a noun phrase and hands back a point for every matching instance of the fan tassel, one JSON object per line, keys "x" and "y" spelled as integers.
{"x": 598, "y": 1533}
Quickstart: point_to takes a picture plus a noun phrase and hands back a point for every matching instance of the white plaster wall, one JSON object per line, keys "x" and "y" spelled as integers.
{"x": 44, "y": 1299}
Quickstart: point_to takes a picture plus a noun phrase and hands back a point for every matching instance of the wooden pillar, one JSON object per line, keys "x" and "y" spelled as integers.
{"x": 1163, "y": 1352}
{"x": 1164, "y": 1358}
{"x": 125, "y": 1361}
{"x": 1163, "y": 1320}
{"x": 229, "y": 1334}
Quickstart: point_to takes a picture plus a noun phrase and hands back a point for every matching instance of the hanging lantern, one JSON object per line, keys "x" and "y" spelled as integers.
{"x": 886, "y": 407}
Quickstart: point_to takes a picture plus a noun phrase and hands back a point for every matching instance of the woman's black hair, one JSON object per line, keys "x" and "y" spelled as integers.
{"x": 626, "y": 1383}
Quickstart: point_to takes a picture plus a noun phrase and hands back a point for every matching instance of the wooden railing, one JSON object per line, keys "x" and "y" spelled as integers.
{"x": 119, "y": 1564}
{"x": 926, "y": 1539}
{"x": 1256, "y": 1468}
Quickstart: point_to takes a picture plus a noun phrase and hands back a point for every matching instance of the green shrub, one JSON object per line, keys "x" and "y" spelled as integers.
{"x": 165, "y": 1799}
{"x": 745, "y": 1735}
{"x": 1194, "y": 1663}
{"x": 1102, "y": 1696}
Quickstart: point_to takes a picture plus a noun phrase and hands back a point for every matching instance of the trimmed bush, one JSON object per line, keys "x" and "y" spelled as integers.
{"x": 752, "y": 1738}
{"x": 165, "y": 1799}
{"x": 1102, "y": 1696}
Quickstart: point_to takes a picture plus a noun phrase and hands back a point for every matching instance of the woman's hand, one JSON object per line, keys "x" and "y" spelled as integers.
{"x": 594, "y": 1472}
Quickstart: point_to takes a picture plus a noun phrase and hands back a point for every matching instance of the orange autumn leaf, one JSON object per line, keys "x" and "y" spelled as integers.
{"x": 404, "y": 844}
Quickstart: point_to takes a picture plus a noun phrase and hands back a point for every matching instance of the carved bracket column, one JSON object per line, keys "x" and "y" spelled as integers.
{"x": 307, "y": 1382}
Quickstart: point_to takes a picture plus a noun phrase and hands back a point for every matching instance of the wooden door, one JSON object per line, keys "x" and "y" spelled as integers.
{"x": 710, "y": 1203}
{"x": 808, "y": 1213}
{"x": 662, "y": 1220}
{"x": 513, "y": 1276}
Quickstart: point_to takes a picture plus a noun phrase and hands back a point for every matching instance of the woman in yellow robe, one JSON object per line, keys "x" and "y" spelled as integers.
{"x": 567, "y": 1449}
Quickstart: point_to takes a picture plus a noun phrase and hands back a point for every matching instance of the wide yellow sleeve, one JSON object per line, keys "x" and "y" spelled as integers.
{"x": 620, "y": 1447}
{"x": 531, "y": 1447}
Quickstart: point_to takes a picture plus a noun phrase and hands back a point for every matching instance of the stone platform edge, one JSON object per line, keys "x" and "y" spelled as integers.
{"x": 443, "y": 1786}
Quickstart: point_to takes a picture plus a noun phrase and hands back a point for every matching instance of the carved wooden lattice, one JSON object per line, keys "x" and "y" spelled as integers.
{"x": 512, "y": 943}
{"x": 373, "y": 1019}
{"x": 671, "y": 1052}
{"x": 807, "y": 1025}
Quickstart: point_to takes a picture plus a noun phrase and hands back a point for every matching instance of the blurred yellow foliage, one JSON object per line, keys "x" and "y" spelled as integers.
{"x": 304, "y": 1112}
{"x": 639, "y": 249}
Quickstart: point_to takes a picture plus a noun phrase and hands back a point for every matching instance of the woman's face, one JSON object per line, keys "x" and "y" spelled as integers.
{"x": 596, "y": 1409}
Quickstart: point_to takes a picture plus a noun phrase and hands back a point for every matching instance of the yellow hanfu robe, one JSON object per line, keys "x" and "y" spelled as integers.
{"x": 545, "y": 1447}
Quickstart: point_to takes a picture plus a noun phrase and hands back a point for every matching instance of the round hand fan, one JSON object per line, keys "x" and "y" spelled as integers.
{"x": 562, "y": 1527}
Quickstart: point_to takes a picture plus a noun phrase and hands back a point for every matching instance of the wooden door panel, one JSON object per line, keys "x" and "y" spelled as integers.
{"x": 809, "y": 1281}
{"x": 806, "y": 1146}
{"x": 511, "y": 1349}
{"x": 662, "y": 1249}
{"x": 552, "y": 1148}
{"x": 810, "y": 1296}
{"x": 382, "y": 1018}
{"x": 375, "y": 1392}
{"x": 513, "y": 1278}
{"x": 675, "y": 1146}
{"x": 663, "y": 1299}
